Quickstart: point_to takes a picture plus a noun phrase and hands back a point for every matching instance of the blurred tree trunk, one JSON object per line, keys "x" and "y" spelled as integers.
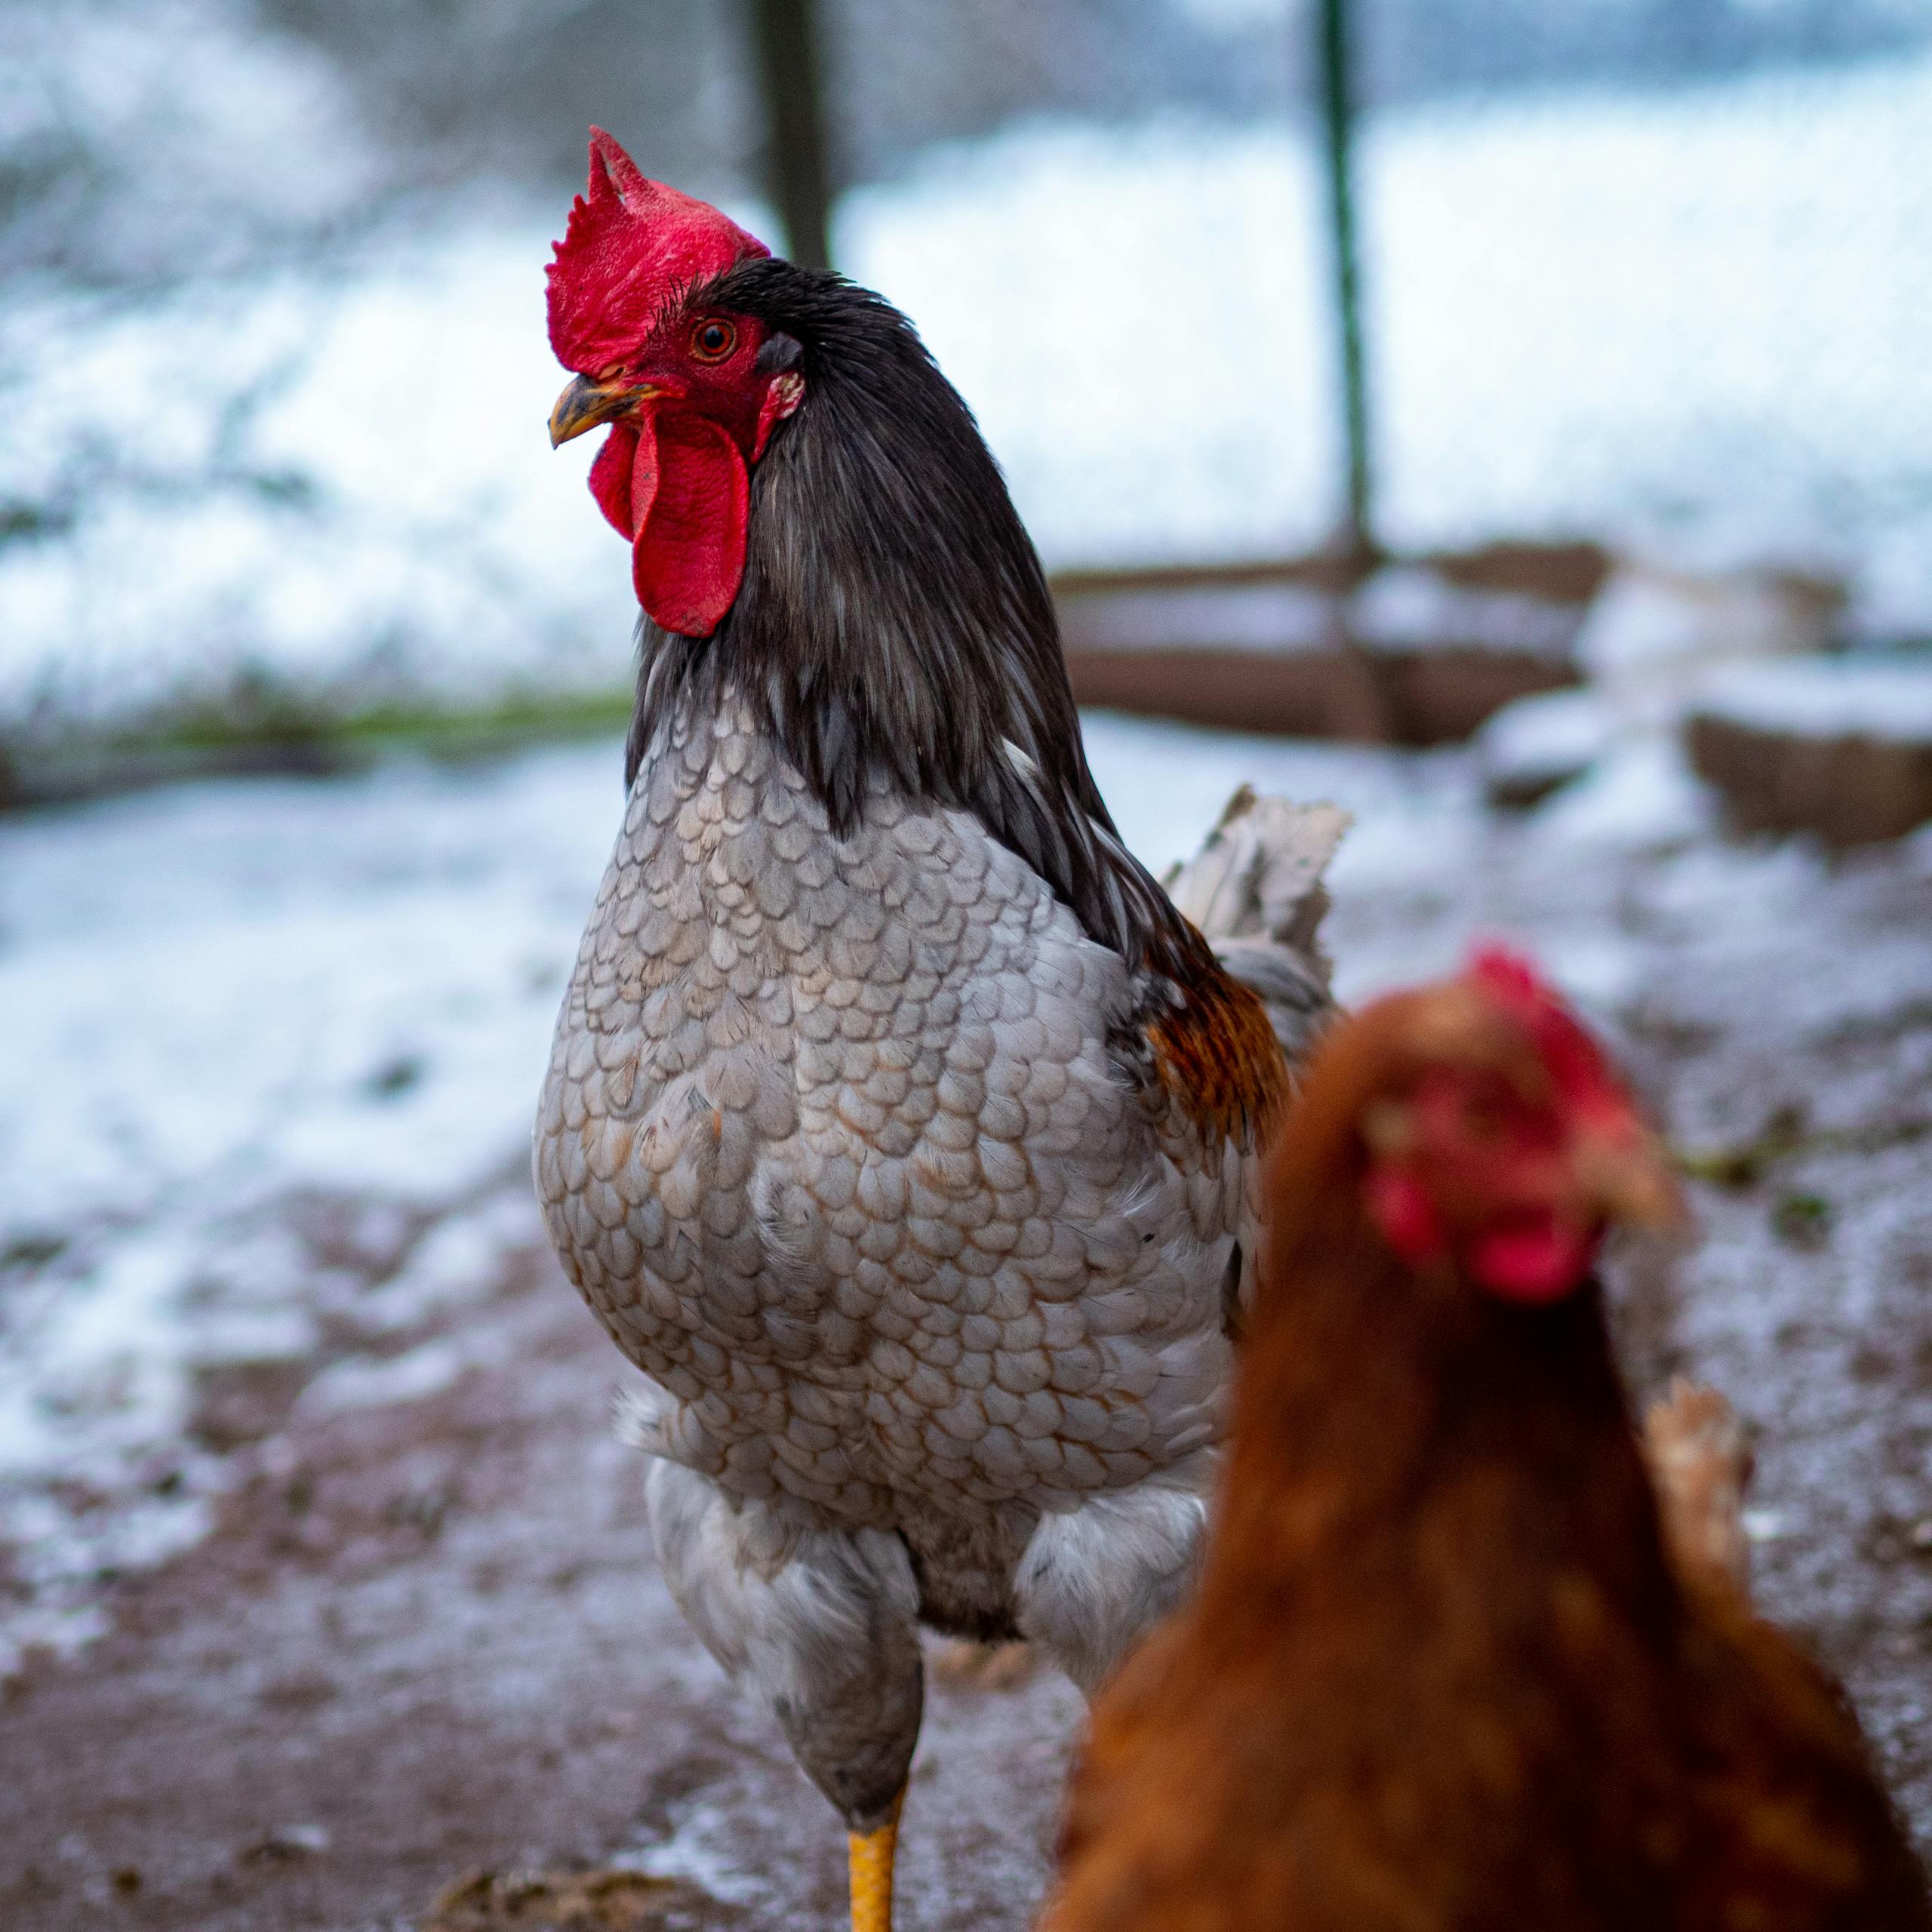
{"x": 787, "y": 31}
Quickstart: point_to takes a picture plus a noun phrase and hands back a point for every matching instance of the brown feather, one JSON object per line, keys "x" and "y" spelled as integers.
{"x": 1218, "y": 1059}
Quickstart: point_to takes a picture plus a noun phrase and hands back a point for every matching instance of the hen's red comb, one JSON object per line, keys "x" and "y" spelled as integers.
{"x": 1574, "y": 1060}
{"x": 1509, "y": 978}
{"x": 632, "y": 246}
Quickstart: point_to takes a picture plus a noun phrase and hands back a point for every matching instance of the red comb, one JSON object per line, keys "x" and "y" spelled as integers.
{"x": 632, "y": 246}
{"x": 1574, "y": 1060}
{"x": 1510, "y": 977}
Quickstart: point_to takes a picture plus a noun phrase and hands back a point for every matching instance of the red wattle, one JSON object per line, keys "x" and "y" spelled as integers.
{"x": 610, "y": 479}
{"x": 1405, "y": 1215}
{"x": 1534, "y": 1262}
{"x": 690, "y": 495}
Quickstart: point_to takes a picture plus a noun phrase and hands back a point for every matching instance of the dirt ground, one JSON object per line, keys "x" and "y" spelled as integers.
{"x": 429, "y": 1639}
{"x": 426, "y": 1640}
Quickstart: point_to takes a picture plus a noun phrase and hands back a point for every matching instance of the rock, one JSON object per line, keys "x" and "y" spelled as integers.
{"x": 1528, "y": 749}
{"x": 607, "y": 1900}
{"x": 1839, "y": 746}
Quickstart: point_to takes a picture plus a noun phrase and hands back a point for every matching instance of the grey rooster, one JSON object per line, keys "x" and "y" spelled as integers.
{"x": 899, "y": 1126}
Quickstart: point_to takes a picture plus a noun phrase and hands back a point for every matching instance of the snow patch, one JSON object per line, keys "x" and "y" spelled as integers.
{"x": 1890, "y": 701}
{"x": 1410, "y": 608}
{"x": 1540, "y": 741}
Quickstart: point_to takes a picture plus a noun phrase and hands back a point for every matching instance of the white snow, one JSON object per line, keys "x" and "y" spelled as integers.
{"x": 1546, "y": 737}
{"x": 1662, "y": 647}
{"x": 368, "y": 1382}
{"x": 1654, "y": 636}
{"x": 1688, "y": 315}
{"x": 1645, "y": 798}
{"x": 1889, "y": 699}
{"x": 1262, "y": 616}
{"x": 1408, "y": 607}
{"x": 190, "y": 112}
{"x": 392, "y": 527}
{"x": 232, "y": 1009}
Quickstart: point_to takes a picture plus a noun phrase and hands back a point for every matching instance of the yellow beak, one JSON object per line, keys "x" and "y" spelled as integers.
{"x": 587, "y": 403}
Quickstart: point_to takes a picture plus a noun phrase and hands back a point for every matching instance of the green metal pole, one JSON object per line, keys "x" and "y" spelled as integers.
{"x": 1333, "y": 66}
{"x": 786, "y": 34}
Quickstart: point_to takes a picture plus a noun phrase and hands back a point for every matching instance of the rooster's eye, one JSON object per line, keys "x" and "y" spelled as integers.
{"x": 712, "y": 340}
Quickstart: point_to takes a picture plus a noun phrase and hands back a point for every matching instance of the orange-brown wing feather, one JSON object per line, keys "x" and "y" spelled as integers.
{"x": 1218, "y": 1060}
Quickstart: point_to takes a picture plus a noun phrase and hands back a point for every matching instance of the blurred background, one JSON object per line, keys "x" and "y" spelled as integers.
{"x": 1513, "y": 421}
{"x": 272, "y": 365}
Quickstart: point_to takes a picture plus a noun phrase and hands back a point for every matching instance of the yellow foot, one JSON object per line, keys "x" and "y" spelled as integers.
{"x": 870, "y": 1855}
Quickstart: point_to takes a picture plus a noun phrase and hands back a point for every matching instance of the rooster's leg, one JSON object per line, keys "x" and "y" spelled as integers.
{"x": 822, "y": 1623}
{"x": 871, "y": 1855}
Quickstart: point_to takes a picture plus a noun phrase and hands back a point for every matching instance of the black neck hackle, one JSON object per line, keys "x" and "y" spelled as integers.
{"x": 894, "y": 625}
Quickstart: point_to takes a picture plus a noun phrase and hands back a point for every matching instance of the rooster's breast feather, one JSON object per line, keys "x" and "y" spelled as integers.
{"x": 848, "y": 1140}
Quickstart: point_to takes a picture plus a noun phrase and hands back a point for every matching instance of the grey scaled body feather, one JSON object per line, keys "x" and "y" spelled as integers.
{"x": 858, "y": 1135}
{"x": 836, "y": 1143}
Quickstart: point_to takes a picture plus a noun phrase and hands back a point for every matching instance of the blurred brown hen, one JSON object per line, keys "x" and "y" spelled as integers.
{"x": 1442, "y": 1672}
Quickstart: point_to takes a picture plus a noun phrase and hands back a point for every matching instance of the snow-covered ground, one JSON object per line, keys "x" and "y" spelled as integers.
{"x": 1831, "y": 697}
{"x": 1695, "y": 316}
{"x": 273, "y": 1048}
{"x": 274, "y": 1301}
{"x": 229, "y": 1008}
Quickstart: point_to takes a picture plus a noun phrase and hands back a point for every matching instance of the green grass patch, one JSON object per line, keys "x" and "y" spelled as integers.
{"x": 271, "y": 731}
